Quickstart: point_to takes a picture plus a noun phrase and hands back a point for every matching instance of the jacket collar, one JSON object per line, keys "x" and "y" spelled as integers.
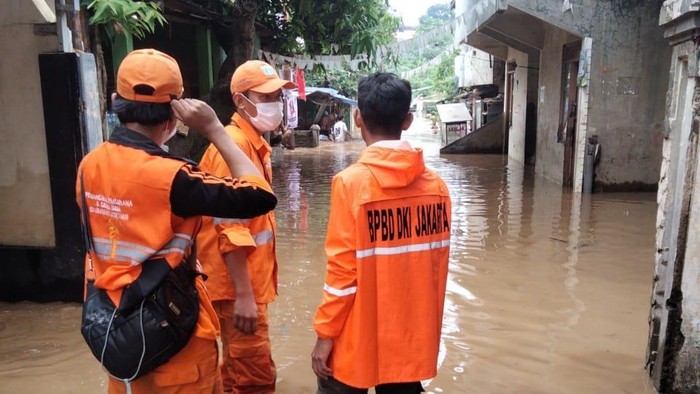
{"x": 393, "y": 144}
{"x": 250, "y": 133}
{"x": 130, "y": 138}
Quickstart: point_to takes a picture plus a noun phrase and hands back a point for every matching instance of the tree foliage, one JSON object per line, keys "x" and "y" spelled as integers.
{"x": 326, "y": 28}
{"x": 436, "y": 15}
{"x": 288, "y": 27}
{"x": 126, "y": 16}
{"x": 343, "y": 80}
{"x": 437, "y": 80}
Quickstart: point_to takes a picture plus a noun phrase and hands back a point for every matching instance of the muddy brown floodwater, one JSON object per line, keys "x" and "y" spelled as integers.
{"x": 547, "y": 292}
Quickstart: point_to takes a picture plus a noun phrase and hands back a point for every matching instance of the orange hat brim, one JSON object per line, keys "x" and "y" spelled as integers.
{"x": 273, "y": 85}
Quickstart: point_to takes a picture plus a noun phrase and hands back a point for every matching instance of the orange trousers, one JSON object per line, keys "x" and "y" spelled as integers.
{"x": 194, "y": 370}
{"x": 248, "y": 367}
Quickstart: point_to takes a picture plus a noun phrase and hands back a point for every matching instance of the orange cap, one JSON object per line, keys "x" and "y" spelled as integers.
{"x": 150, "y": 76}
{"x": 257, "y": 76}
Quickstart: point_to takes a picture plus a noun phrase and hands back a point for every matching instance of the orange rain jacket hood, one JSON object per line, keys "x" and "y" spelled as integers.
{"x": 388, "y": 248}
{"x": 393, "y": 168}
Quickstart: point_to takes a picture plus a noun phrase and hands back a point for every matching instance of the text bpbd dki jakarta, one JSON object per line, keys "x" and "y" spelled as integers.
{"x": 407, "y": 222}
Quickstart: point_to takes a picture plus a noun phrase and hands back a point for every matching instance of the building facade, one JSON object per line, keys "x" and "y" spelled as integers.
{"x": 573, "y": 70}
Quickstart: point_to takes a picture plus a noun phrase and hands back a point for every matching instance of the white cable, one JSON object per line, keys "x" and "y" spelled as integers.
{"x": 127, "y": 382}
{"x": 104, "y": 348}
{"x": 143, "y": 341}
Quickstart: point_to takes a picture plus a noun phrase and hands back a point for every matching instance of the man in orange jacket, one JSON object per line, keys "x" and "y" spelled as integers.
{"x": 239, "y": 255}
{"x": 388, "y": 247}
{"x": 144, "y": 206}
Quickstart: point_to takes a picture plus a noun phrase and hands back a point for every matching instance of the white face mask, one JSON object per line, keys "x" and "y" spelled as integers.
{"x": 269, "y": 115}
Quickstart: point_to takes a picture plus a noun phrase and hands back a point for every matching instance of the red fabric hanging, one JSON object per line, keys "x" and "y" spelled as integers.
{"x": 301, "y": 82}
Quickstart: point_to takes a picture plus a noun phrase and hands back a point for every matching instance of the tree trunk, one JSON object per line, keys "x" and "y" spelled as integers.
{"x": 86, "y": 38}
{"x": 78, "y": 28}
{"x": 96, "y": 42}
{"x": 238, "y": 40}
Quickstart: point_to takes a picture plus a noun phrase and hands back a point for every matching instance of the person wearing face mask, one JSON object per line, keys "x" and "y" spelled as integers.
{"x": 239, "y": 255}
{"x": 143, "y": 207}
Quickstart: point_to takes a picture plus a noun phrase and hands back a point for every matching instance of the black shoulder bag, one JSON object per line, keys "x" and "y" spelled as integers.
{"x": 156, "y": 317}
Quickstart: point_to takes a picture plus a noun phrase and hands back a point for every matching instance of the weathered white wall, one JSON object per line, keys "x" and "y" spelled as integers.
{"x": 687, "y": 365}
{"x": 516, "y": 132}
{"x": 676, "y": 244}
{"x": 26, "y": 217}
{"x": 473, "y": 67}
{"x": 27, "y": 11}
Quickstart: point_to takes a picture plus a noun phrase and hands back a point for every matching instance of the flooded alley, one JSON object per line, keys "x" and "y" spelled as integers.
{"x": 544, "y": 295}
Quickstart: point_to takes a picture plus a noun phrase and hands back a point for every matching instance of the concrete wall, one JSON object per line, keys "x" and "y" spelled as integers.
{"x": 487, "y": 139}
{"x": 626, "y": 105}
{"x": 26, "y": 217}
{"x": 516, "y": 131}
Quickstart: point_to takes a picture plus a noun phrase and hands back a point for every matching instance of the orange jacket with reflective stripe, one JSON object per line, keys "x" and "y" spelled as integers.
{"x": 257, "y": 235}
{"x": 127, "y": 192}
{"x": 388, "y": 248}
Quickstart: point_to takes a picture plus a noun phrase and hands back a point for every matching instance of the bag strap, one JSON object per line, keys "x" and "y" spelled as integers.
{"x": 87, "y": 236}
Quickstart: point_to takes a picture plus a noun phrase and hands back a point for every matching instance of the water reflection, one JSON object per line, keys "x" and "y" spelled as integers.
{"x": 546, "y": 293}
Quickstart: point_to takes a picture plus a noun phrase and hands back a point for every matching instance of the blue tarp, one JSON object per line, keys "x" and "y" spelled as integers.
{"x": 328, "y": 92}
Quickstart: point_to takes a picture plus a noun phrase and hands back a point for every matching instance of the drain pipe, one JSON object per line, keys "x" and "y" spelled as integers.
{"x": 590, "y": 160}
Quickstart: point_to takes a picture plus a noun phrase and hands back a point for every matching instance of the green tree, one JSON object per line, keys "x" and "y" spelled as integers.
{"x": 437, "y": 79}
{"x": 343, "y": 80}
{"x": 436, "y": 15}
{"x": 333, "y": 27}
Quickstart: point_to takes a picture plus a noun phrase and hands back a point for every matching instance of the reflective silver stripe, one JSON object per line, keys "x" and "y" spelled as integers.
{"x": 340, "y": 292}
{"x": 183, "y": 235}
{"x": 218, "y": 221}
{"x": 360, "y": 254}
{"x": 131, "y": 245}
{"x": 117, "y": 258}
{"x": 121, "y": 253}
{"x": 136, "y": 254}
{"x": 263, "y": 237}
{"x": 168, "y": 251}
{"x": 176, "y": 245}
